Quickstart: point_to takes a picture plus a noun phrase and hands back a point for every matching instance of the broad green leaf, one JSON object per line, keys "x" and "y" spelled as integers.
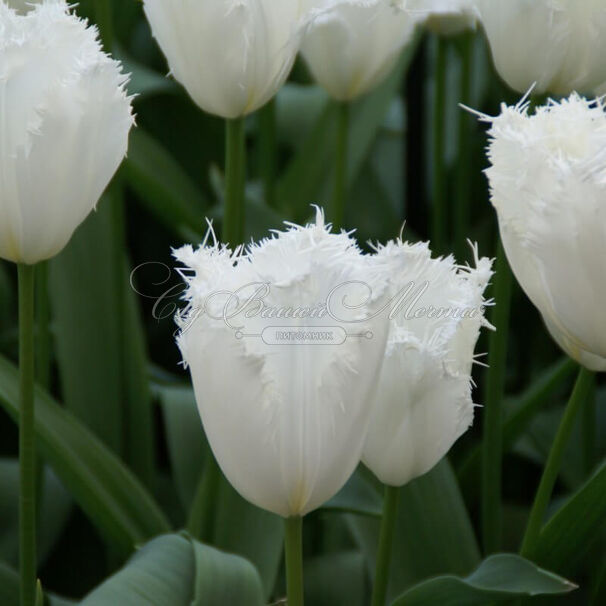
{"x": 223, "y": 578}
{"x": 176, "y": 570}
{"x": 109, "y": 494}
{"x": 163, "y": 187}
{"x": 248, "y": 531}
{"x": 85, "y": 308}
{"x": 358, "y": 496}
{"x": 336, "y": 579}
{"x": 499, "y": 578}
{"x": 569, "y": 534}
{"x": 433, "y": 532}
{"x": 99, "y": 339}
{"x": 9, "y": 586}
{"x": 185, "y": 439}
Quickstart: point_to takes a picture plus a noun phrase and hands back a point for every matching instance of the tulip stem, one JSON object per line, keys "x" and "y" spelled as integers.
{"x": 492, "y": 443}
{"x": 293, "y": 551}
{"x": 341, "y": 165}
{"x": 579, "y": 395}
{"x": 463, "y": 198}
{"x": 439, "y": 211}
{"x": 235, "y": 169}
{"x": 268, "y": 151}
{"x": 388, "y": 523}
{"x": 27, "y": 460}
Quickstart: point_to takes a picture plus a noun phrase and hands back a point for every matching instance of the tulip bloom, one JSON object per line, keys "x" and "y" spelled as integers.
{"x": 446, "y": 17}
{"x": 285, "y": 413}
{"x": 232, "y": 56}
{"x": 558, "y": 44}
{"x": 351, "y": 45}
{"x": 423, "y": 401}
{"x": 65, "y": 130}
{"x": 548, "y": 186}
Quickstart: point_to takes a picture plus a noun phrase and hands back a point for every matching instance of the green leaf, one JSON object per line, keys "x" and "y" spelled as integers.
{"x": 55, "y": 507}
{"x": 9, "y": 586}
{"x": 248, "y": 531}
{"x": 433, "y": 532}
{"x": 84, "y": 302}
{"x": 176, "y": 570}
{"x": 336, "y": 579}
{"x": 109, "y": 494}
{"x": 222, "y": 578}
{"x": 499, "y": 578}
{"x": 39, "y": 594}
{"x": 358, "y": 496}
{"x": 163, "y": 187}
{"x": 185, "y": 439}
{"x": 572, "y": 530}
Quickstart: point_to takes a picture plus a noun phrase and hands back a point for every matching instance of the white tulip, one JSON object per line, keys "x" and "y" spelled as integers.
{"x": 65, "y": 118}
{"x": 559, "y": 44}
{"x": 445, "y": 17}
{"x": 232, "y": 56}
{"x": 286, "y": 421}
{"x": 423, "y": 401}
{"x": 548, "y": 185}
{"x": 350, "y": 46}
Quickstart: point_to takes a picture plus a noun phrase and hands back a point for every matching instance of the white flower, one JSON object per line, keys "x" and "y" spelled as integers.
{"x": 446, "y": 17}
{"x": 232, "y": 56}
{"x": 548, "y": 185}
{"x": 559, "y": 44}
{"x": 351, "y": 45}
{"x": 423, "y": 401}
{"x": 65, "y": 118}
{"x": 285, "y": 420}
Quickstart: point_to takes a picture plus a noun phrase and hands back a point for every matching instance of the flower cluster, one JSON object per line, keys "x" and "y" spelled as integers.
{"x": 288, "y": 425}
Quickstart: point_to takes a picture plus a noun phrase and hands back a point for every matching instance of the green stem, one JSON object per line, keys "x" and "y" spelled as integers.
{"x": 439, "y": 210}
{"x": 235, "y": 170}
{"x": 27, "y": 453}
{"x": 588, "y": 428}
{"x": 463, "y": 182}
{"x": 492, "y": 443}
{"x": 293, "y": 551}
{"x": 268, "y": 151}
{"x": 341, "y": 165}
{"x": 388, "y": 523}
{"x": 201, "y": 516}
{"x": 554, "y": 462}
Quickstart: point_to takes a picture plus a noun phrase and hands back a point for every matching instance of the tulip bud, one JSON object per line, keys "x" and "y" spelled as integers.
{"x": 284, "y": 347}
{"x": 351, "y": 45}
{"x": 548, "y": 185}
{"x": 444, "y": 17}
{"x": 232, "y": 56}
{"x": 423, "y": 401}
{"x": 559, "y": 45}
{"x": 65, "y": 123}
